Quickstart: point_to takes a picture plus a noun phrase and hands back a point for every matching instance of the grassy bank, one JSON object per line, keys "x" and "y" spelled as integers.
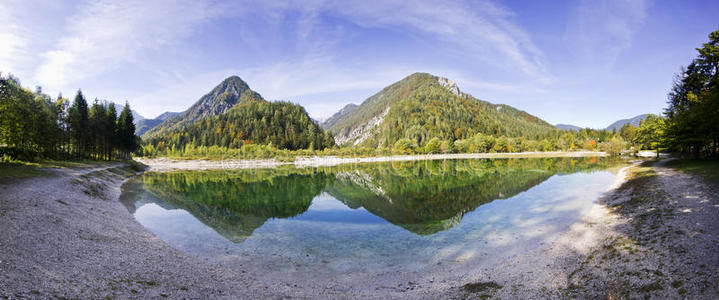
{"x": 21, "y": 169}
{"x": 707, "y": 168}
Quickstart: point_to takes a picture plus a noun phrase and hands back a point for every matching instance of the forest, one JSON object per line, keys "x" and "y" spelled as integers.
{"x": 280, "y": 125}
{"x": 34, "y": 126}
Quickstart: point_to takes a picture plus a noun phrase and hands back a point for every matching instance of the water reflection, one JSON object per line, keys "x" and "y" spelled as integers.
{"x": 422, "y": 197}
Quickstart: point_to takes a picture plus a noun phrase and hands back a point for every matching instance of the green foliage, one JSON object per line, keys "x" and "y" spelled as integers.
{"x": 692, "y": 124}
{"x": 614, "y": 146}
{"x": 235, "y": 203}
{"x": 420, "y": 108}
{"x": 32, "y": 126}
{"x": 706, "y": 168}
{"x": 404, "y": 146}
{"x": 280, "y": 125}
{"x": 423, "y": 197}
{"x": 650, "y": 133}
{"x": 224, "y": 96}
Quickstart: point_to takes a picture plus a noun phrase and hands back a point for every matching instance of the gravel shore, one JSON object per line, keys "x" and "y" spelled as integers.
{"x": 67, "y": 235}
{"x": 167, "y": 164}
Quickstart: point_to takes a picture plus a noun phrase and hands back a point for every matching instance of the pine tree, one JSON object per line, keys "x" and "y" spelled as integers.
{"x": 79, "y": 121}
{"x": 126, "y": 132}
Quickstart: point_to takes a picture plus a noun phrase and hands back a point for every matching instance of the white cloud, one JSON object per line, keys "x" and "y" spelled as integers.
{"x": 105, "y": 35}
{"x": 598, "y": 31}
{"x": 13, "y": 37}
{"x": 482, "y": 28}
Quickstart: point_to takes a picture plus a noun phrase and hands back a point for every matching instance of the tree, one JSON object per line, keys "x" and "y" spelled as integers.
{"x": 33, "y": 125}
{"x": 650, "y": 133}
{"x": 79, "y": 121}
{"x": 627, "y": 132}
{"x": 692, "y": 124}
{"x": 433, "y": 146}
{"x": 126, "y": 132}
{"x": 404, "y": 146}
{"x": 111, "y": 130}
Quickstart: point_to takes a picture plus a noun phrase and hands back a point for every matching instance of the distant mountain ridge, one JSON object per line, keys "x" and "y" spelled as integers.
{"x": 144, "y": 125}
{"x": 568, "y": 127}
{"x": 332, "y": 120}
{"x": 634, "y": 121}
{"x": 423, "y": 106}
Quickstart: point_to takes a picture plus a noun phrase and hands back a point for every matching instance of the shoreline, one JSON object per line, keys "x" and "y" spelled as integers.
{"x": 169, "y": 164}
{"x": 649, "y": 236}
{"x": 74, "y": 238}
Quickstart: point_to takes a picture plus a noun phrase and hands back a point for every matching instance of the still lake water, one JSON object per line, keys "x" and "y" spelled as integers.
{"x": 369, "y": 220}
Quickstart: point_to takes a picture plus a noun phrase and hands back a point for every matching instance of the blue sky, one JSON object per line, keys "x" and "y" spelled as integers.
{"x": 586, "y": 63}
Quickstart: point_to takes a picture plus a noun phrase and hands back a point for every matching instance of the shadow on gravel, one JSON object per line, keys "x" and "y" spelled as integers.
{"x": 662, "y": 249}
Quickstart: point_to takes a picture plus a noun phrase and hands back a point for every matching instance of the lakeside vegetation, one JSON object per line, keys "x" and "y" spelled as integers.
{"x": 34, "y": 126}
{"x": 707, "y": 168}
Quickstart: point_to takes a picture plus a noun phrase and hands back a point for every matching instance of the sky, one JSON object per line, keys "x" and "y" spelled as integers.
{"x": 586, "y": 63}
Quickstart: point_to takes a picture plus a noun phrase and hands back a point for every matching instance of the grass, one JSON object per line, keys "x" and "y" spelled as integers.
{"x": 10, "y": 171}
{"x": 707, "y": 168}
{"x": 481, "y": 286}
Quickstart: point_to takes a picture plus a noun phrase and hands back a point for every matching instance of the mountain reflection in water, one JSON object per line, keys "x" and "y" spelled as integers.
{"x": 423, "y": 197}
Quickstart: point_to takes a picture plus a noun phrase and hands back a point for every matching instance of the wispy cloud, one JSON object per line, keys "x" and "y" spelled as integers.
{"x": 13, "y": 37}
{"x": 598, "y": 31}
{"x": 106, "y": 34}
{"x": 306, "y": 56}
{"x": 482, "y": 28}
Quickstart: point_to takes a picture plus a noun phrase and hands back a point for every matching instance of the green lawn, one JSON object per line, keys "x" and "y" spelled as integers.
{"x": 707, "y": 168}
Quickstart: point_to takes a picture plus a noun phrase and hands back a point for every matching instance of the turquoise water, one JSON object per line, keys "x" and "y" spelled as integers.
{"x": 371, "y": 219}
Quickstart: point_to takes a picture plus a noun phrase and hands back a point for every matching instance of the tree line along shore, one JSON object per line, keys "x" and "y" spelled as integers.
{"x": 34, "y": 126}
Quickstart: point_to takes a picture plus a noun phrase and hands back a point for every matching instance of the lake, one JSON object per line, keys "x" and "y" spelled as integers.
{"x": 373, "y": 223}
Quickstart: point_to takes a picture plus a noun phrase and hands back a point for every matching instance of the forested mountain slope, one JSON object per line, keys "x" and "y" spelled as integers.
{"x": 221, "y": 99}
{"x": 422, "y": 106}
{"x": 249, "y": 120}
{"x": 332, "y": 120}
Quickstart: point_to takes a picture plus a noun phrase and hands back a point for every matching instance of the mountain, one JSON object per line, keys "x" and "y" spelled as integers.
{"x": 634, "y": 121}
{"x": 331, "y": 121}
{"x": 166, "y": 115}
{"x": 422, "y": 106}
{"x": 233, "y": 115}
{"x": 568, "y": 127}
{"x": 144, "y": 125}
{"x": 221, "y": 99}
{"x": 136, "y": 117}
